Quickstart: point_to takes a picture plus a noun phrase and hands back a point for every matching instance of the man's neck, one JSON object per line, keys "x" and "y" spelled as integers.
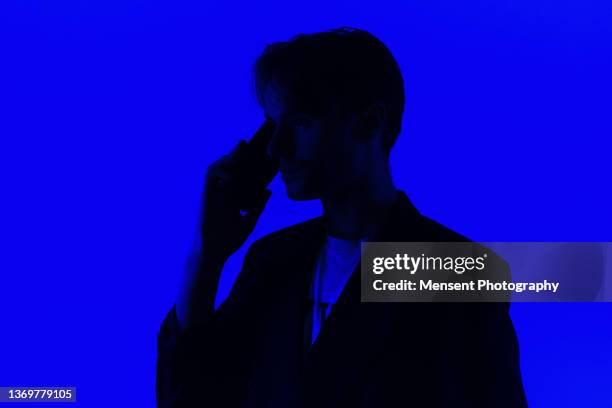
{"x": 360, "y": 212}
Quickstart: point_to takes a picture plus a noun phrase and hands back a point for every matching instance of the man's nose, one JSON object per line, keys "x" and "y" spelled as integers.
{"x": 282, "y": 143}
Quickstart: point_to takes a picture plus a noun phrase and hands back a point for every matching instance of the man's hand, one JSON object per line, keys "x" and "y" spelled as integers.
{"x": 224, "y": 227}
{"x": 224, "y": 224}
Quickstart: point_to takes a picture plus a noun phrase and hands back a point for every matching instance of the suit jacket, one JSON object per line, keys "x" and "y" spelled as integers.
{"x": 253, "y": 352}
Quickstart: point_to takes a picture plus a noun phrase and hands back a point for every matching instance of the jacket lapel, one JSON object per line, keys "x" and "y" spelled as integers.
{"x": 355, "y": 331}
{"x": 277, "y": 377}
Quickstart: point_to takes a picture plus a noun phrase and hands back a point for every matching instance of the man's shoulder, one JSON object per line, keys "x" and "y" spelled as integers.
{"x": 433, "y": 231}
{"x": 445, "y": 234}
{"x": 298, "y": 235}
{"x": 424, "y": 229}
{"x": 405, "y": 223}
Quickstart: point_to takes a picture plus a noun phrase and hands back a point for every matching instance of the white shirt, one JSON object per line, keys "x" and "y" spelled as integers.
{"x": 335, "y": 265}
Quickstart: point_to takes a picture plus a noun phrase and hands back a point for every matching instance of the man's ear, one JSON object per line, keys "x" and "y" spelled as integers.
{"x": 373, "y": 120}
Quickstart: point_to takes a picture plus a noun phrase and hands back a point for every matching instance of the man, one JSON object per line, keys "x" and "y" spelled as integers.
{"x": 293, "y": 332}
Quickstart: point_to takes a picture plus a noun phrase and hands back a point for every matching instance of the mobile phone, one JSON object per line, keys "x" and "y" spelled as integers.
{"x": 265, "y": 167}
{"x": 258, "y": 168}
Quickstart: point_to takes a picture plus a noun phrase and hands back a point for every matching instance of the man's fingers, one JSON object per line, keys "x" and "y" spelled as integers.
{"x": 240, "y": 146}
{"x": 224, "y": 171}
{"x": 221, "y": 174}
{"x": 228, "y": 167}
{"x": 253, "y": 214}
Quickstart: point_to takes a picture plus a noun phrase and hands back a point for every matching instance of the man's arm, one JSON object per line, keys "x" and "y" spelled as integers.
{"x": 204, "y": 355}
{"x": 209, "y": 364}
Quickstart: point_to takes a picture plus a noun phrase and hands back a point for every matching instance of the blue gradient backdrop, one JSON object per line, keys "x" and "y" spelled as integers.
{"x": 111, "y": 111}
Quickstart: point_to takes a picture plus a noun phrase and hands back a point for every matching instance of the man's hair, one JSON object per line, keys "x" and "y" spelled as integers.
{"x": 345, "y": 66}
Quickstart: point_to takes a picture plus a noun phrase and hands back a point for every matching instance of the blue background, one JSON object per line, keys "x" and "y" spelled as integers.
{"x": 111, "y": 111}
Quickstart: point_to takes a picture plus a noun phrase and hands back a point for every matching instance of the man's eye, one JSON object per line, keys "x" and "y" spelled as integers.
{"x": 302, "y": 122}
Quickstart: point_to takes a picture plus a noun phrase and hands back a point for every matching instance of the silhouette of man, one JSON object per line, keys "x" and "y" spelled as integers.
{"x": 293, "y": 332}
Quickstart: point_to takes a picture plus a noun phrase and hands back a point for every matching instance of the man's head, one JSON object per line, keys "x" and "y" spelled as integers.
{"x": 336, "y": 99}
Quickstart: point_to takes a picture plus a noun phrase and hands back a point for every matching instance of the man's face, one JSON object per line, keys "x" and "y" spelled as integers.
{"x": 315, "y": 152}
